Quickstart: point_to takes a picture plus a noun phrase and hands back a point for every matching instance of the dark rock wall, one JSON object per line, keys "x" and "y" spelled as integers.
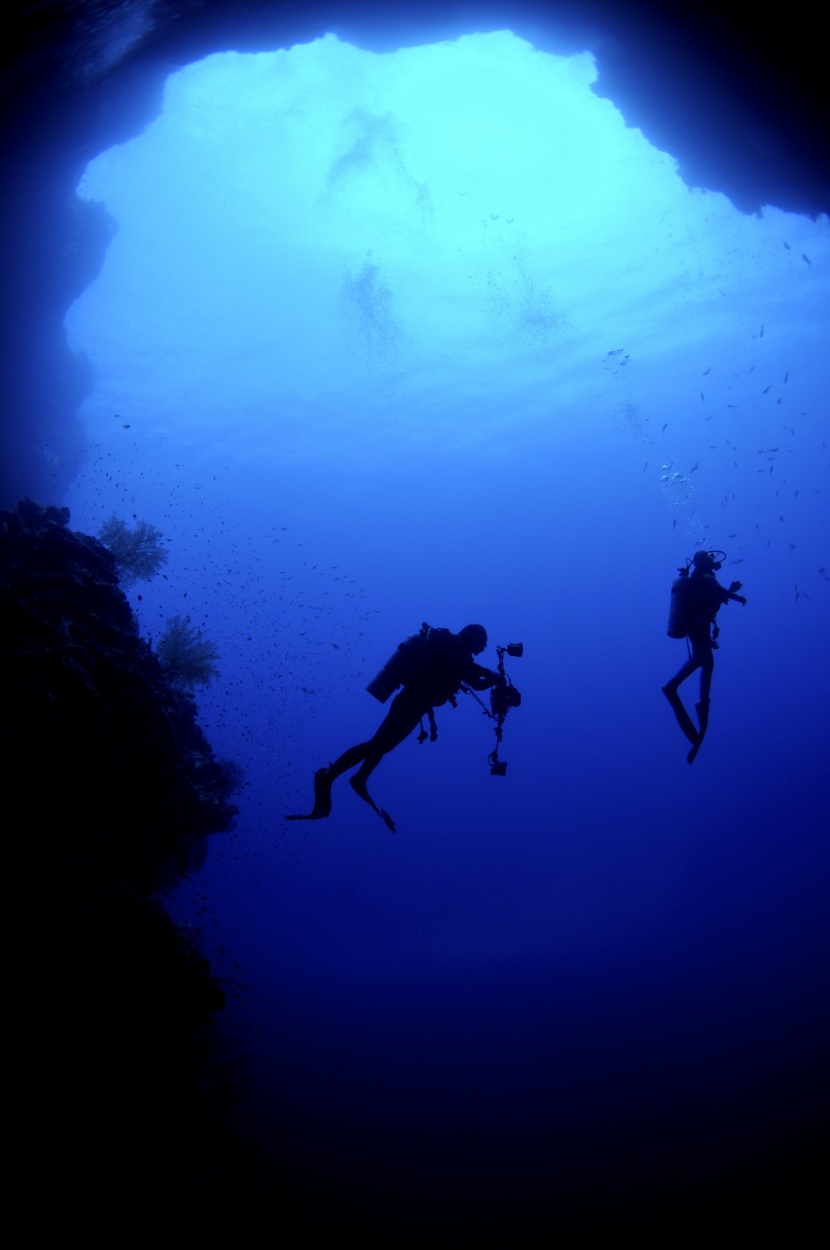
{"x": 111, "y": 792}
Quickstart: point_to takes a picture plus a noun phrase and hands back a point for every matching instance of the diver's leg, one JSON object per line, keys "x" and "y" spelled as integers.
{"x": 400, "y": 720}
{"x": 325, "y": 778}
{"x": 680, "y": 676}
{"x": 358, "y": 784}
{"x": 403, "y": 716}
{"x": 703, "y": 653}
{"x": 670, "y": 690}
{"x": 707, "y": 667}
{"x": 348, "y": 759}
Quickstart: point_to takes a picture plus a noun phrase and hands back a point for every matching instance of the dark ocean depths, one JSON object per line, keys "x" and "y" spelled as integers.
{"x": 432, "y": 336}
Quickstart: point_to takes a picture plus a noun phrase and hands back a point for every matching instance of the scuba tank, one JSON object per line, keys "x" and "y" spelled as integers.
{"x": 392, "y": 675}
{"x": 403, "y": 666}
{"x": 680, "y": 605}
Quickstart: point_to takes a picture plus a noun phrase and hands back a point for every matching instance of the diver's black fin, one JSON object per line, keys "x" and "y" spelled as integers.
{"x": 702, "y": 710}
{"x": 359, "y": 787}
{"x": 684, "y": 720}
{"x": 322, "y": 796}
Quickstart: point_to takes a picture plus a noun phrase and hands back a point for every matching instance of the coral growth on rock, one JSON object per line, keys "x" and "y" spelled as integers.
{"x": 138, "y": 552}
{"x": 187, "y": 657}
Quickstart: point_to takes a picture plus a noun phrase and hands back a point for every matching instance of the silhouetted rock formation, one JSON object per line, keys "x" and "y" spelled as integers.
{"x": 112, "y": 791}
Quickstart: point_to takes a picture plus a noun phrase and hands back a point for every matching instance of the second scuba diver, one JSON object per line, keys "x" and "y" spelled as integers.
{"x": 695, "y": 601}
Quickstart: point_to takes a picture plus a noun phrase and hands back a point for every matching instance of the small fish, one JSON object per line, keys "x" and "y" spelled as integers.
{"x": 761, "y": 335}
{"x": 787, "y": 376}
{"x": 806, "y": 258}
{"x": 665, "y": 427}
{"x": 767, "y": 388}
{"x": 740, "y": 561}
{"x": 702, "y": 400}
{"x": 694, "y": 466}
{"x": 705, "y": 371}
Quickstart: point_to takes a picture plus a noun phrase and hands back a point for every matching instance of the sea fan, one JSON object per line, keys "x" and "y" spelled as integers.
{"x": 138, "y": 552}
{"x": 187, "y": 657}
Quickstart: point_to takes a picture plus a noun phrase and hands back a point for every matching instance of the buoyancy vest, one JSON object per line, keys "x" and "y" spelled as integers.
{"x": 433, "y": 660}
{"x": 694, "y": 604}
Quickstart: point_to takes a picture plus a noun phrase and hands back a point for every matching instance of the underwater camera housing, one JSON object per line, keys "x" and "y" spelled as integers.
{"x": 503, "y": 696}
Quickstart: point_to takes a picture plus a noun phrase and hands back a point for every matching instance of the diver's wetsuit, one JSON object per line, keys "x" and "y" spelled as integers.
{"x": 702, "y": 657}
{"x": 709, "y": 596}
{"x": 405, "y": 712}
{"x": 444, "y": 673}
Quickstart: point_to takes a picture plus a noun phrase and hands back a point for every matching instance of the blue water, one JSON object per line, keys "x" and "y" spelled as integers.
{"x": 433, "y": 336}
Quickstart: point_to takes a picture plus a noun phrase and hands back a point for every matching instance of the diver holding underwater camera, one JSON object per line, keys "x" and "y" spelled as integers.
{"x": 432, "y": 666}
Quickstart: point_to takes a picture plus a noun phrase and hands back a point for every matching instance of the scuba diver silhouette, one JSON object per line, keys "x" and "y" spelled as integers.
{"x": 432, "y": 666}
{"x": 695, "y": 601}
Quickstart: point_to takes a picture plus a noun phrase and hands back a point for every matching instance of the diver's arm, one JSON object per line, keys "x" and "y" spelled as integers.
{"x": 731, "y": 593}
{"x": 480, "y": 678}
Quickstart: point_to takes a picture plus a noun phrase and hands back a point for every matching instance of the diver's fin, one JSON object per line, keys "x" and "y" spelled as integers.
{"x": 323, "y": 781}
{"x": 359, "y": 787}
{"x": 702, "y": 710}
{"x": 684, "y": 720}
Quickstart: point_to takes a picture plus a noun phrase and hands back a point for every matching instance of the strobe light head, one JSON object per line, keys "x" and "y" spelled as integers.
{"x": 514, "y": 649}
